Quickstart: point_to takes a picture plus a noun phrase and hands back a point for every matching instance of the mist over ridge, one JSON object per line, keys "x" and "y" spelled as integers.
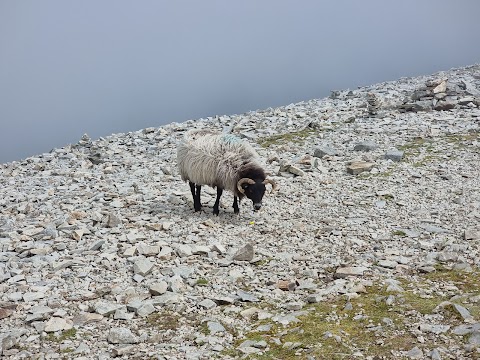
{"x": 69, "y": 68}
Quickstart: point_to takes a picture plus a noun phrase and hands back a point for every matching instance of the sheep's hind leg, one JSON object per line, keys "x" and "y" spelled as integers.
{"x": 192, "y": 189}
{"x": 217, "y": 202}
{"x": 236, "y": 210}
{"x": 195, "y": 189}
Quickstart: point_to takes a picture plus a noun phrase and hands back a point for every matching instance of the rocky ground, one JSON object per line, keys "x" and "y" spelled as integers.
{"x": 370, "y": 248}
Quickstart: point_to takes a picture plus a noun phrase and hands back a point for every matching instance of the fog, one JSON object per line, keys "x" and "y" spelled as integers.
{"x": 102, "y": 67}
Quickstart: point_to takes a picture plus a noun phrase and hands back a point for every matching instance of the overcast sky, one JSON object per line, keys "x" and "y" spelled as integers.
{"x": 106, "y": 66}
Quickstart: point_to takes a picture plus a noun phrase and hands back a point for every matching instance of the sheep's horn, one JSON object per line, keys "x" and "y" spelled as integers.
{"x": 244, "y": 181}
{"x": 271, "y": 182}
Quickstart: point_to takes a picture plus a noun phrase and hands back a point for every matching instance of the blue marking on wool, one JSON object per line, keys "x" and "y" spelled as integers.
{"x": 231, "y": 139}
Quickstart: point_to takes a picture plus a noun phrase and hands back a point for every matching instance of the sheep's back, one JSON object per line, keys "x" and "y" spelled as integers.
{"x": 212, "y": 159}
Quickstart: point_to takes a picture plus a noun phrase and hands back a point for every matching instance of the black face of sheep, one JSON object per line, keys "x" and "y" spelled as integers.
{"x": 254, "y": 190}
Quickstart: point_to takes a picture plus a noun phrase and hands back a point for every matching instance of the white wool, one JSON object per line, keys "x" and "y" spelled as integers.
{"x": 209, "y": 158}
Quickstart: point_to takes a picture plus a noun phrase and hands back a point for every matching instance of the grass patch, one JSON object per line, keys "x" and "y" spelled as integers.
{"x": 297, "y": 137}
{"x": 464, "y": 280}
{"x": 64, "y": 335}
{"x": 202, "y": 282}
{"x": 330, "y": 332}
{"x": 399, "y": 233}
{"x": 263, "y": 262}
{"x": 371, "y": 327}
{"x": 164, "y": 320}
{"x": 418, "y": 146}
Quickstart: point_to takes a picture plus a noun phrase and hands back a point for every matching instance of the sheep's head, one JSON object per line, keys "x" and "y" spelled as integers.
{"x": 254, "y": 190}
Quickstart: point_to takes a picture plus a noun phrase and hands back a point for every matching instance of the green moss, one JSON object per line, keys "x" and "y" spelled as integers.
{"x": 388, "y": 197}
{"x": 164, "y": 320}
{"x": 365, "y": 327}
{"x": 297, "y": 137}
{"x": 64, "y": 335}
{"x": 203, "y": 328}
{"x": 202, "y": 282}
{"x": 263, "y": 262}
{"x": 419, "y": 147}
{"x": 464, "y": 280}
{"x": 324, "y": 321}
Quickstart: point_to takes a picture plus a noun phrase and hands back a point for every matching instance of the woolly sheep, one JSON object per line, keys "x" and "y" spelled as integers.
{"x": 221, "y": 161}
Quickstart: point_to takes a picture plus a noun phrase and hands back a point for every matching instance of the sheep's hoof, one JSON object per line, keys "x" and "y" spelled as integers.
{"x": 236, "y": 211}
{"x": 216, "y": 211}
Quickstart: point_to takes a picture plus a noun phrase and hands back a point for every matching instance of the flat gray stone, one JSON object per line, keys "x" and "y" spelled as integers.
{"x": 113, "y": 221}
{"x": 435, "y": 329}
{"x": 344, "y": 272}
{"x": 158, "y": 288}
{"x": 462, "y": 311}
{"x": 433, "y": 229}
{"x": 167, "y": 298}
{"x": 121, "y": 335}
{"x": 474, "y": 339}
{"x": 322, "y": 151}
{"x": 148, "y": 250}
{"x": 357, "y": 167}
{"x": 183, "y": 271}
{"x": 33, "y": 296}
{"x": 183, "y": 250}
{"x": 466, "y": 329}
{"x": 246, "y": 297}
{"x": 472, "y": 234}
{"x": 122, "y": 314}
{"x": 415, "y": 353}
{"x": 105, "y": 308}
{"x": 207, "y": 304}
{"x": 215, "y": 327}
{"x": 58, "y": 324}
{"x": 97, "y": 246}
{"x": 394, "y": 155}
{"x": 146, "y": 309}
{"x": 143, "y": 266}
{"x": 245, "y": 253}
{"x": 176, "y": 284}
{"x": 83, "y": 348}
{"x": 86, "y": 318}
{"x": 365, "y": 146}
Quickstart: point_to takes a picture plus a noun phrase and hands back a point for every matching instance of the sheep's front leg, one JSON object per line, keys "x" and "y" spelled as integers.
{"x": 236, "y": 210}
{"x": 217, "y": 202}
{"x": 197, "y": 204}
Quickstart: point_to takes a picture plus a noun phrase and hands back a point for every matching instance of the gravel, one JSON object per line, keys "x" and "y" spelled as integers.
{"x": 101, "y": 235}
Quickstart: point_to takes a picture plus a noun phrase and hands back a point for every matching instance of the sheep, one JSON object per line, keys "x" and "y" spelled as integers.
{"x": 221, "y": 161}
